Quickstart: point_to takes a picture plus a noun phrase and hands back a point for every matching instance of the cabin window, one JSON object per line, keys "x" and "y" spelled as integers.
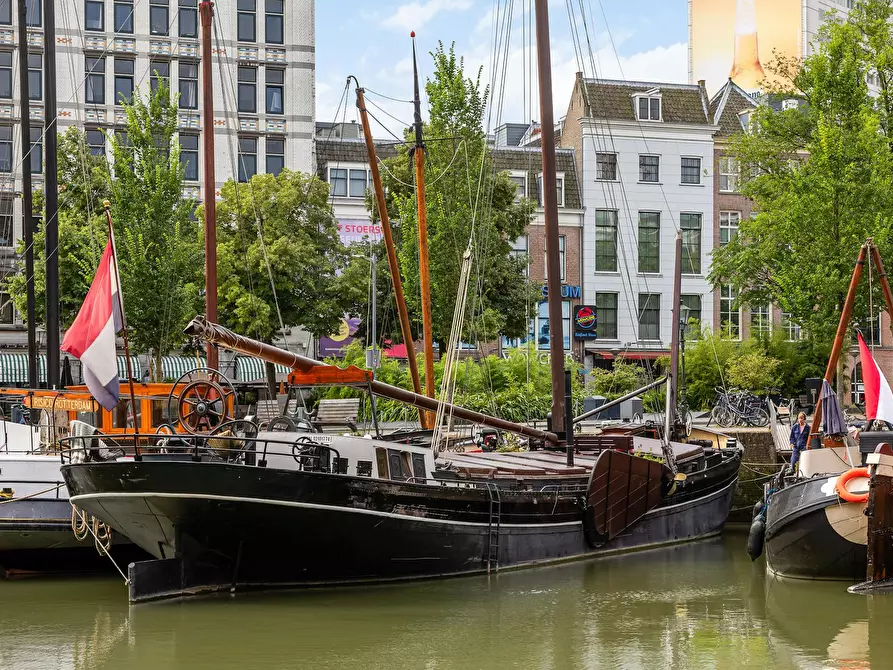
{"x": 340, "y": 466}
{"x": 418, "y": 466}
{"x": 121, "y": 415}
{"x": 395, "y": 464}
{"x": 160, "y": 414}
{"x": 364, "y": 468}
{"x": 381, "y": 459}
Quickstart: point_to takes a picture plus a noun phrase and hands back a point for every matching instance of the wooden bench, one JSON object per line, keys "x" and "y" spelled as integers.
{"x": 336, "y": 413}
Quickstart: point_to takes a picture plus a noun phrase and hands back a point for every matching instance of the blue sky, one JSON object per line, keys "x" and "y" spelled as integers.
{"x": 633, "y": 39}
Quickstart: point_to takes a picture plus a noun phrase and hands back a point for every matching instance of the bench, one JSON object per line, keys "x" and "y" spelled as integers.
{"x": 336, "y": 413}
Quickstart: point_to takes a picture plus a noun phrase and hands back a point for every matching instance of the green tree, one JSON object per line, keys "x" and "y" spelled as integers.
{"x": 820, "y": 177}
{"x": 159, "y": 247}
{"x": 281, "y": 228}
{"x": 83, "y": 185}
{"x": 459, "y": 204}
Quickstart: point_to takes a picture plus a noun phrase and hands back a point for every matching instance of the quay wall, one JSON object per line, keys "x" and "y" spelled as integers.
{"x": 760, "y": 460}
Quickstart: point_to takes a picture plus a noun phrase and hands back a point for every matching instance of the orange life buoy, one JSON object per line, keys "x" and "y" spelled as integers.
{"x": 844, "y": 479}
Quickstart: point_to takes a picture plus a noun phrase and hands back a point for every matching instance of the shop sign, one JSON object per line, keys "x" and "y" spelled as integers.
{"x": 567, "y": 291}
{"x": 585, "y": 322}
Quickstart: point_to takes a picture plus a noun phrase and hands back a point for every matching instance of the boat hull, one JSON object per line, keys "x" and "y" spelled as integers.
{"x": 228, "y": 525}
{"x": 812, "y": 534}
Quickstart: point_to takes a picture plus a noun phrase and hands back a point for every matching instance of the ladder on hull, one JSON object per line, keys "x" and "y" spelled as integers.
{"x": 493, "y": 527}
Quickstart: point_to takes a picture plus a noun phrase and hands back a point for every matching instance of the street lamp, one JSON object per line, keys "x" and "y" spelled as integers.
{"x": 684, "y": 312}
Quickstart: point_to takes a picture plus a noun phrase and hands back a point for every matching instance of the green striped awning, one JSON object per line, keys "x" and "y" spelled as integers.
{"x": 135, "y": 368}
{"x": 174, "y": 367}
{"x": 250, "y": 369}
{"x": 14, "y": 369}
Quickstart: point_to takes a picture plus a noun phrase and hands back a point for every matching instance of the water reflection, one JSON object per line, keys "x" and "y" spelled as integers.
{"x": 697, "y": 606}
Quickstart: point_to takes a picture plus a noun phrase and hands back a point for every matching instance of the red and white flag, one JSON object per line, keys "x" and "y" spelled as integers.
{"x": 91, "y": 337}
{"x": 878, "y": 396}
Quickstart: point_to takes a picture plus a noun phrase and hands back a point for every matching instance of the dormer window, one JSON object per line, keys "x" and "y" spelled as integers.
{"x": 790, "y": 103}
{"x": 648, "y": 106}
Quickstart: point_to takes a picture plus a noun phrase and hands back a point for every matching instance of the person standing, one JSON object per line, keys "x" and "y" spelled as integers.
{"x": 799, "y": 439}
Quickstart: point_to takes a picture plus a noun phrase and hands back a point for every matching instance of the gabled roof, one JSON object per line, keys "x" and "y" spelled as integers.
{"x": 727, "y": 105}
{"x": 613, "y": 100}
{"x": 530, "y": 160}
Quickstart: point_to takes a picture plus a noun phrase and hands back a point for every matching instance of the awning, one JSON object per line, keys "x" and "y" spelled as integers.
{"x": 642, "y": 355}
{"x": 174, "y": 367}
{"x": 397, "y": 351}
{"x": 14, "y": 369}
{"x": 135, "y": 369}
{"x": 248, "y": 369}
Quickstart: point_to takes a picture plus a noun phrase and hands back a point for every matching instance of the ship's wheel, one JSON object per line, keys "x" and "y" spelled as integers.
{"x": 204, "y": 402}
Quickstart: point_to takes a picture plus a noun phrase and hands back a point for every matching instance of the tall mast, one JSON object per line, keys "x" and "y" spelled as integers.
{"x": 210, "y": 181}
{"x": 51, "y": 193}
{"x": 550, "y": 204}
{"x": 27, "y": 196}
{"x": 392, "y": 252}
{"x": 418, "y": 154}
{"x": 673, "y": 377}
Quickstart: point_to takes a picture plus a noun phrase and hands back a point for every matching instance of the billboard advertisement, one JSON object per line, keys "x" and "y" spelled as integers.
{"x": 737, "y": 39}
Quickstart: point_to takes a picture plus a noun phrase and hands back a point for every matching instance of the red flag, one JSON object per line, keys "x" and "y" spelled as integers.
{"x": 878, "y": 396}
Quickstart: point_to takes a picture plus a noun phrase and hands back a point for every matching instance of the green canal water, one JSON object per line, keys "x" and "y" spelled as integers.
{"x": 702, "y": 605}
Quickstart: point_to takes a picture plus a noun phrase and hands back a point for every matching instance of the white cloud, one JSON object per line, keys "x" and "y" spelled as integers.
{"x": 414, "y": 15}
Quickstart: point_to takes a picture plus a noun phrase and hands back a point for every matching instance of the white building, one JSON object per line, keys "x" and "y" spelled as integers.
{"x": 264, "y": 97}
{"x": 645, "y": 153}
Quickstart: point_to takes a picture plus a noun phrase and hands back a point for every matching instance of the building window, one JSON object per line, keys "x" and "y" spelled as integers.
{"x": 159, "y": 17}
{"x": 6, "y": 223}
{"x": 649, "y": 241}
{"x": 760, "y": 321}
{"x": 606, "y": 167}
{"x": 728, "y": 226}
{"x": 729, "y": 313}
{"x": 561, "y": 257}
{"x": 33, "y": 13}
{"x": 5, "y": 148}
{"x": 649, "y": 109}
{"x": 606, "y": 316}
{"x": 6, "y": 74}
{"x": 728, "y": 174}
{"x": 276, "y": 157}
{"x": 94, "y": 15}
{"x": 559, "y": 185}
{"x": 693, "y": 319}
{"x": 649, "y": 169}
{"x": 188, "y": 85}
{"x": 35, "y": 157}
{"x": 123, "y": 81}
{"x": 247, "y": 158}
{"x": 338, "y": 182}
{"x": 35, "y": 77}
{"x": 357, "y": 183}
{"x": 6, "y": 12}
{"x": 521, "y": 251}
{"x": 248, "y": 89}
{"x": 275, "y": 94}
{"x": 159, "y": 71}
{"x": 96, "y": 142}
{"x": 606, "y": 240}
{"x": 188, "y": 18}
{"x": 691, "y": 170}
{"x": 189, "y": 156}
{"x": 123, "y": 11}
{"x": 542, "y": 326}
{"x": 246, "y": 20}
{"x": 274, "y": 32}
{"x": 792, "y": 332}
{"x": 95, "y": 81}
{"x": 7, "y": 315}
{"x": 649, "y": 316}
{"x": 520, "y": 181}
{"x": 691, "y": 243}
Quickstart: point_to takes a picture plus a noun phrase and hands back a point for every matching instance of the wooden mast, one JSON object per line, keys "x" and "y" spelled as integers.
{"x": 550, "y": 205}
{"x": 210, "y": 180}
{"x": 392, "y": 252}
{"x": 51, "y": 194}
{"x": 27, "y": 197}
{"x": 845, "y": 316}
{"x": 418, "y": 155}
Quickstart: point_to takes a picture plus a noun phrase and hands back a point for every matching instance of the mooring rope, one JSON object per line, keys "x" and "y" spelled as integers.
{"x": 32, "y": 495}
{"x": 102, "y": 537}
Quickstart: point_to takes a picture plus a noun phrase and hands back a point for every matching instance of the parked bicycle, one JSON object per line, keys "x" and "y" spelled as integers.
{"x": 738, "y": 408}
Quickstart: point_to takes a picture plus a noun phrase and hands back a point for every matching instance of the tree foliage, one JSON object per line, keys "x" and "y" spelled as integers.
{"x": 459, "y": 207}
{"x": 820, "y": 177}
{"x": 286, "y": 221}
